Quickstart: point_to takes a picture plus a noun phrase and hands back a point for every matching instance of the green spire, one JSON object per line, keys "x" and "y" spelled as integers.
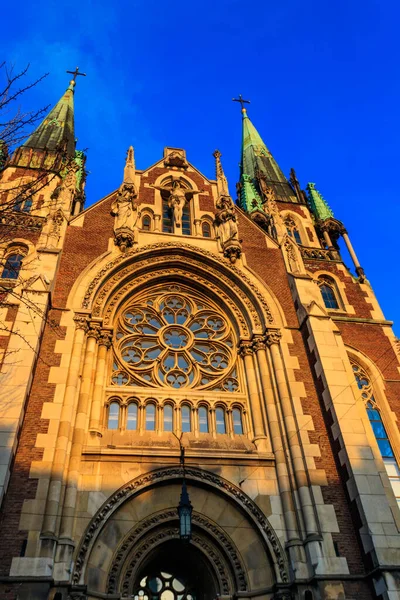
{"x": 319, "y": 206}
{"x": 56, "y": 131}
{"x": 257, "y": 162}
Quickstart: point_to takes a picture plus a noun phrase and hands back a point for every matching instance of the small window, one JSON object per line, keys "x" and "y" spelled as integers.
{"x": 146, "y": 223}
{"x": 168, "y": 421}
{"x": 292, "y": 229}
{"x": 206, "y": 229}
{"x": 220, "y": 420}
{"x": 131, "y": 422}
{"x": 186, "y": 228}
{"x": 328, "y": 294}
{"x": 150, "y": 417}
{"x": 27, "y": 205}
{"x": 185, "y": 416}
{"x": 113, "y": 415}
{"x": 237, "y": 421}
{"x": 203, "y": 420}
{"x": 12, "y": 267}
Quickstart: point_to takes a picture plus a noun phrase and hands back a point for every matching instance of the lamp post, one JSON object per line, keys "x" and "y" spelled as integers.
{"x": 184, "y": 507}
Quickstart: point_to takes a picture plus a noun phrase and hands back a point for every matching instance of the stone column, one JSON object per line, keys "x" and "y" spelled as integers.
{"x": 197, "y": 228}
{"x": 278, "y": 445}
{"x": 296, "y": 452}
{"x": 104, "y": 343}
{"x": 64, "y": 434}
{"x": 157, "y": 222}
{"x": 358, "y": 267}
{"x": 260, "y": 439}
{"x": 79, "y": 433}
{"x": 327, "y": 239}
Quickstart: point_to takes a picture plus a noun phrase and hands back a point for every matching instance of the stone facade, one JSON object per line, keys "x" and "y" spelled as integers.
{"x": 164, "y": 318}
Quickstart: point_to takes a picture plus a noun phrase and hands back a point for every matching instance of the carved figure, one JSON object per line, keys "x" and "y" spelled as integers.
{"x": 225, "y": 219}
{"x": 124, "y": 208}
{"x": 177, "y": 196}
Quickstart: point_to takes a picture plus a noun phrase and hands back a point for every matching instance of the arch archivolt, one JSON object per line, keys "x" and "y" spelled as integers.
{"x": 251, "y": 303}
{"x": 207, "y": 536}
{"x": 206, "y": 532}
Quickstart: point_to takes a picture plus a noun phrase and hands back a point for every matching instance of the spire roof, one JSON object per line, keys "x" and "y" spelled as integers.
{"x": 318, "y": 204}
{"x": 57, "y": 129}
{"x": 258, "y": 161}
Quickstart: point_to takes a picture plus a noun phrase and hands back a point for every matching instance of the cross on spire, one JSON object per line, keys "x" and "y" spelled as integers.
{"x": 76, "y": 73}
{"x": 241, "y": 100}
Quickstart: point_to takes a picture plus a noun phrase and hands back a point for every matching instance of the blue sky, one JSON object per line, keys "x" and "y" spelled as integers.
{"x": 323, "y": 80}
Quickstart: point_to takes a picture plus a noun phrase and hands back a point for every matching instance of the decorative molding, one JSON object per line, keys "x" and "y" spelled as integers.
{"x": 272, "y": 336}
{"x": 81, "y": 321}
{"x": 176, "y": 245}
{"x": 246, "y": 348}
{"x": 105, "y": 338}
{"x": 172, "y": 473}
{"x": 165, "y": 518}
{"x": 21, "y": 219}
{"x": 318, "y": 254}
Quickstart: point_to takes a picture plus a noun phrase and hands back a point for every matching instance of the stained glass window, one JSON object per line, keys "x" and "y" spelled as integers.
{"x": 12, "y": 267}
{"x": 328, "y": 295}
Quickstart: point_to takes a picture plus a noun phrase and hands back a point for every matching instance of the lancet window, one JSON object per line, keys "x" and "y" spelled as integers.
{"x": 329, "y": 292}
{"x": 176, "y": 338}
{"x": 13, "y": 266}
{"x": 379, "y": 429}
{"x": 292, "y": 229}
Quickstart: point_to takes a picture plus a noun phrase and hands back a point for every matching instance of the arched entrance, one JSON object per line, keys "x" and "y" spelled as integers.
{"x": 175, "y": 571}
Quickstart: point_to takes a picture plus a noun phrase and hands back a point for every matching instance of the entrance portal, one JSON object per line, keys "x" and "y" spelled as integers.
{"x": 175, "y": 571}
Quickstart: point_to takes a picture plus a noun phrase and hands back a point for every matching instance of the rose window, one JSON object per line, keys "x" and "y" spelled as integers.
{"x": 176, "y": 338}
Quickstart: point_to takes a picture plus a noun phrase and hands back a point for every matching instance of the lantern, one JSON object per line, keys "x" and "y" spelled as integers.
{"x": 185, "y": 515}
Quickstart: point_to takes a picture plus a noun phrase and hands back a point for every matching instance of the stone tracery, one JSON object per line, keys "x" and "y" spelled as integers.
{"x": 175, "y": 338}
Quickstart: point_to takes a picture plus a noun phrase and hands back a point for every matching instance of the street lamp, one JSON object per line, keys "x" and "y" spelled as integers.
{"x": 184, "y": 507}
{"x": 185, "y": 514}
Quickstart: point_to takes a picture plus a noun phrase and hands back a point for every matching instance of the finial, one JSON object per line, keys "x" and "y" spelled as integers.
{"x": 75, "y": 73}
{"x": 222, "y": 183}
{"x": 129, "y": 170}
{"x": 242, "y": 102}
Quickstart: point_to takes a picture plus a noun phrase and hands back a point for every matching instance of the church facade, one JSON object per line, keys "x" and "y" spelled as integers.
{"x": 169, "y": 347}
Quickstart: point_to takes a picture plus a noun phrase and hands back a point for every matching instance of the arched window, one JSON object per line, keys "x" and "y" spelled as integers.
{"x": 185, "y": 417}
{"x": 328, "y": 292}
{"x": 203, "y": 420}
{"x": 150, "y": 417}
{"x": 113, "y": 416}
{"x": 12, "y": 267}
{"x": 292, "y": 229}
{"x": 378, "y": 427}
{"x": 186, "y": 225}
{"x": 131, "y": 422}
{"x": 168, "y": 418}
{"x": 167, "y": 222}
{"x": 220, "y": 420}
{"x": 206, "y": 229}
{"x": 237, "y": 421}
{"x": 146, "y": 223}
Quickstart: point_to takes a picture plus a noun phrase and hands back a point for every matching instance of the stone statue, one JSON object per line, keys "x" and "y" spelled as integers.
{"x": 225, "y": 219}
{"x": 124, "y": 208}
{"x": 177, "y": 196}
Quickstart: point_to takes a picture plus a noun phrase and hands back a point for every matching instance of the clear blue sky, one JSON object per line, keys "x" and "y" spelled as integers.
{"x": 323, "y": 79}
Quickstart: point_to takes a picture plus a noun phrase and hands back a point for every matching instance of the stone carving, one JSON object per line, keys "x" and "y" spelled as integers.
{"x": 172, "y": 473}
{"x": 177, "y": 196}
{"x": 225, "y": 217}
{"x": 105, "y": 338}
{"x": 176, "y": 158}
{"x": 258, "y": 344}
{"x": 291, "y": 255}
{"x": 81, "y": 321}
{"x": 101, "y": 275}
{"x": 246, "y": 348}
{"x": 124, "y": 207}
{"x": 272, "y": 336}
{"x": 22, "y": 220}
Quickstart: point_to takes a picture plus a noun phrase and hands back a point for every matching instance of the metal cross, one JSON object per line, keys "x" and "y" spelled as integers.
{"x": 76, "y": 73}
{"x": 240, "y": 99}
